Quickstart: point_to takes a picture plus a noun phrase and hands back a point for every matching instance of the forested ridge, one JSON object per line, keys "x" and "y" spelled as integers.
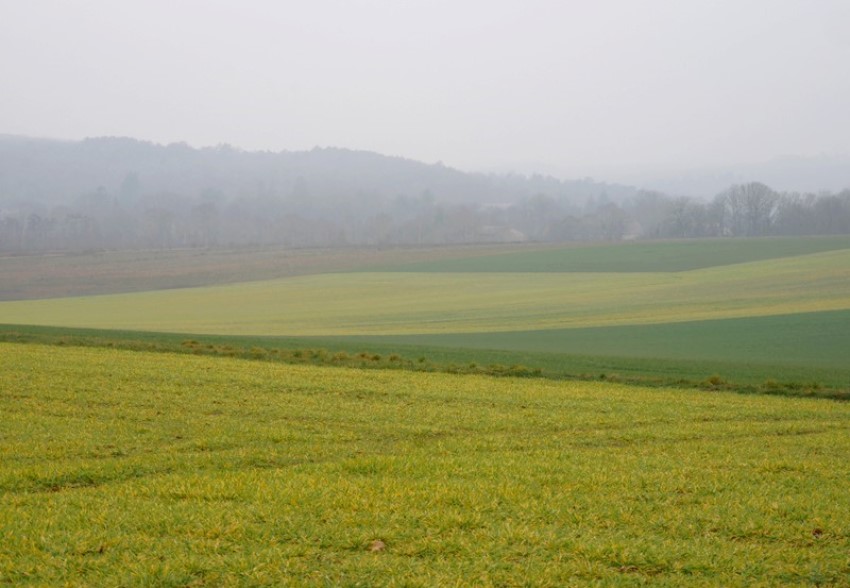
{"x": 121, "y": 193}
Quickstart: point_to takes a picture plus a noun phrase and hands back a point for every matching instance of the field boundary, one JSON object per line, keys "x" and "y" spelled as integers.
{"x": 306, "y": 351}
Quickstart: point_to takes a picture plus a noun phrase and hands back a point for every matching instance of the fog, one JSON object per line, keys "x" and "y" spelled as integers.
{"x": 615, "y": 89}
{"x": 119, "y": 193}
{"x": 373, "y": 122}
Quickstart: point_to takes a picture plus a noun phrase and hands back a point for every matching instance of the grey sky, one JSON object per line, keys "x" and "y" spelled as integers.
{"x": 576, "y": 86}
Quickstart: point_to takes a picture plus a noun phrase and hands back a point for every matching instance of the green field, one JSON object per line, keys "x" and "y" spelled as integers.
{"x": 800, "y": 347}
{"x": 819, "y": 339}
{"x": 747, "y": 311}
{"x": 271, "y": 431}
{"x": 138, "y": 469}
{"x": 407, "y": 303}
{"x": 730, "y": 369}
{"x": 669, "y": 256}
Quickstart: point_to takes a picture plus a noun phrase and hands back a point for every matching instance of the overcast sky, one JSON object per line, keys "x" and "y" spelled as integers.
{"x": 574, "y": 86}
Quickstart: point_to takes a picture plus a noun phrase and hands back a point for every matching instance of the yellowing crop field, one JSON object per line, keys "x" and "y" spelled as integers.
{"x": 401, "y": 303}
{"x": 132, "y": 468}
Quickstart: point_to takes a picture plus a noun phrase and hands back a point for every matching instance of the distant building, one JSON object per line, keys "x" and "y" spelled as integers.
{"x": 500, "y": 234}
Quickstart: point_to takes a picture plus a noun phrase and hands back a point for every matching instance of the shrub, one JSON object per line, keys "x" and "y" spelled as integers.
{"x": 715, "y": 381}
{"x": 258, "y": 352}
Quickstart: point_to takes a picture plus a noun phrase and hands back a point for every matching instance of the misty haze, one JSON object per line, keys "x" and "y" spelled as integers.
{"x": 125, "y": 194}
{"x": 424, "y": 293}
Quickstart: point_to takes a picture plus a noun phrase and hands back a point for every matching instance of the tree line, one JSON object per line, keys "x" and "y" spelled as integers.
{"x": 125, "y": 194}
{"x": 100, "y": 222}
{"x": 745, "y": 210}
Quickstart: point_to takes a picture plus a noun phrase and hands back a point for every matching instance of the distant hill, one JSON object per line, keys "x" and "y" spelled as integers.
{"x": 48, "y": 172}
{"x": 120, "y": 193}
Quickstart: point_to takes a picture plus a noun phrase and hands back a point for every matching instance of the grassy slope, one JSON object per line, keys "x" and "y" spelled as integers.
{"x": 783, "y": 374}
{"x": 107, "y": 272}
{"x": 805, "y": 347}
{"x": 668, "y": 256}
{"x": 140, "y": 469}
{"x": 27, "y": 277}
{"x": 407, "y": 303}
{"x": 820, "y": 339}
{"x": 791, "y": 348}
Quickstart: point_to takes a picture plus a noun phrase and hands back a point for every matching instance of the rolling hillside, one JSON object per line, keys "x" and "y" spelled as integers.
{"x": 750, "y": 310}
{"x": 122, "y": 467}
